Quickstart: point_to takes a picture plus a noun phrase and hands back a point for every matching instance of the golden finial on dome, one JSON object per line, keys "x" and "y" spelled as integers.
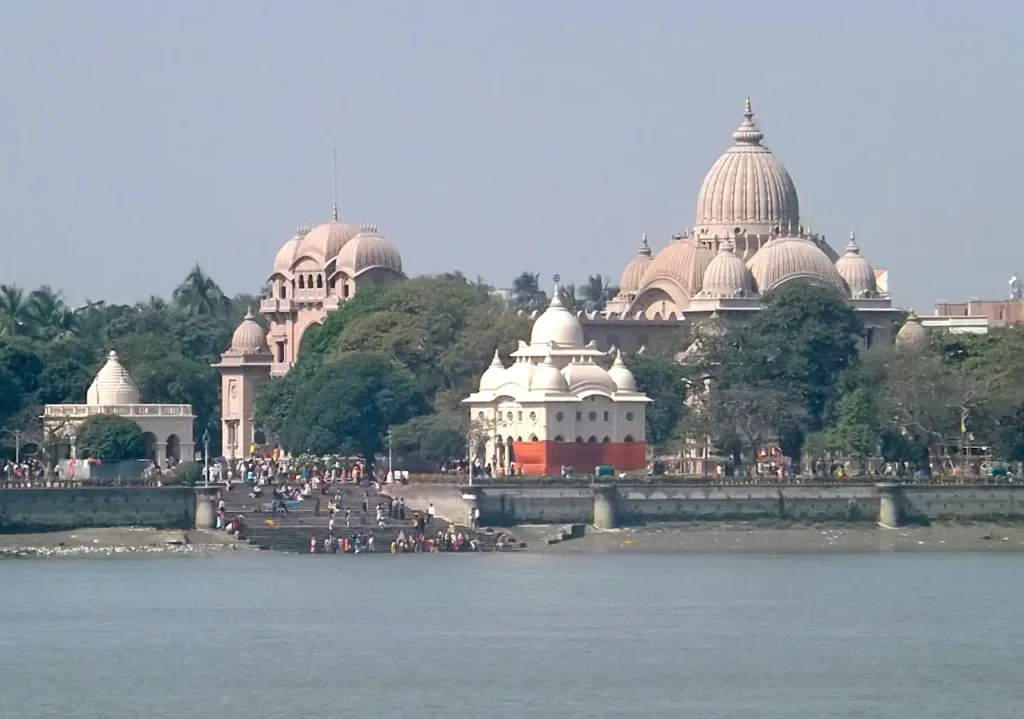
{"x": 746, "y": 108}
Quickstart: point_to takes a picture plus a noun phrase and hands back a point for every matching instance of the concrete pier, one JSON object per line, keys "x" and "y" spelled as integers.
{"x": 605, "y": 509}
{"x": 206, "y": 514}
{"x": 890, "y": 505}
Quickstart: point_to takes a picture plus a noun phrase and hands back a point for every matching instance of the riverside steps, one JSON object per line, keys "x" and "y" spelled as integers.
{"x": 292, "y": 532}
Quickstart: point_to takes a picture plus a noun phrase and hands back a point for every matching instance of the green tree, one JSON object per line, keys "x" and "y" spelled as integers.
{"x": 527, "y": 293}
{"x": 349, "y": 405}
{"x": 662, "y": 379}
{"x": 567, "y": 296}
{"x": 13, "y": 310}
{"x": 432, "y": 438}
{"x": 110, "y": 438}
{"x": 199, "y": 294}
{"x": 597, "y": 291}
{"x": 48, "y": 316}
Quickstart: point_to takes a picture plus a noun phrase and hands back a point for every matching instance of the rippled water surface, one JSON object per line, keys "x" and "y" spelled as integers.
{"x": 867, "y": 635}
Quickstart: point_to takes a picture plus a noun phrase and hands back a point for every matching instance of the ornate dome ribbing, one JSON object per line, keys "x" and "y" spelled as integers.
{"x": 857, "y": 272}
{"x": 326, "y": 240}
{"x": 788, "y": 259}
{"x": 683, "y": 263}
{"x": 112, "y": 386}
{"x": 912, "y": 333}
{"x": 636, "y": 268}
{"x": 747, "y": 188}
{"x": 368, "y": 250}
{"x": 727, "y": 276}
{"x": 249, "y": 337}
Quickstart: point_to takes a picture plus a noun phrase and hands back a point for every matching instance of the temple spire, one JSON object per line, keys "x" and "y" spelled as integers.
{"x": 335, "y": 186}
{"x": 748, "y": 132}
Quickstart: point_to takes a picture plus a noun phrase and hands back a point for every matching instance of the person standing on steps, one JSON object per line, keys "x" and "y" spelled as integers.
{"x": 401, "y": 508}
{"x": 316, "y": 507}
{"x": 476, "y": 517}
{"x": 430, "y": 514}
{"x": 330, "y": 524}
{"x": 366, "y": 501}
{"x": 348, "y": 518}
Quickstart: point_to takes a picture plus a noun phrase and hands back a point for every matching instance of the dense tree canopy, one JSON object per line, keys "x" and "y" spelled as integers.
{"x": 437, "y": 332}
{"x": 111, "y": 438}
{"x": 50, "y": 352}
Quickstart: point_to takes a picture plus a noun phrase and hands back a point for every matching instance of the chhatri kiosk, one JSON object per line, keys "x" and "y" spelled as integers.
{"x": 555, "y": 406}
{"x": 167, "y": 428}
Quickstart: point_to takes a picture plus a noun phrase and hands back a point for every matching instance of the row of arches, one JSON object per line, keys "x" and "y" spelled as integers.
{"x": 579, "y": 440}
{"x": 172, "y": 451}
{"x": 309, "y": 282}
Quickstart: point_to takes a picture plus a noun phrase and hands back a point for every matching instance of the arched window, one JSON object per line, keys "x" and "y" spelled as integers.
{"x": 319, "y": 282}
{"x": 533, "y": 438}
{"x": 592, "y": 439}
{"x": 629, "y": 438}
{"x": 302, "y": 282}
{"x": 606, "y": 440}
{"x": 579, "y": 440}
{"x": 309, "y": 281}
{"x": 282, "y": 291}
{"x": 559, "y": 438}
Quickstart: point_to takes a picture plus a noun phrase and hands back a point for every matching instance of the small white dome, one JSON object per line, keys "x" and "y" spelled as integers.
{"x": 857, "y": 272}
{"x": 727, "y": 275}
{"x": 494, "y": 376}
{"x": 368, "y": 250}
{"x": 557, "y": 325}
{"x": 621, "y": 375}
{"x": 636, "y": 268}
{"x": 520, "y": 373}
{"x": 249, "y": 337}
{"x": 586, "y": 374}
{"x": 912, "y": 333}
{"x": 547, "y": 378}
{"x": 112, "y": 386}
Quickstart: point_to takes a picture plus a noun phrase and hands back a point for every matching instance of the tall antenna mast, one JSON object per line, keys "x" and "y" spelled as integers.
{"x": 335, "y": 184}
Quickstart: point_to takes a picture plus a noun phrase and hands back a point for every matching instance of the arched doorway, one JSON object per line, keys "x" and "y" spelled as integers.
{"x": 149, "y": 439}
{"x": 173, "y": 449}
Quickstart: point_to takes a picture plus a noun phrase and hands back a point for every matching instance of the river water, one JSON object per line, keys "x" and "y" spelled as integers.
{"x": 705, "y": 636}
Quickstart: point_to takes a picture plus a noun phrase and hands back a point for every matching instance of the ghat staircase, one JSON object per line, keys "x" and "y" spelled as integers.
{"x": 292, "y": 532}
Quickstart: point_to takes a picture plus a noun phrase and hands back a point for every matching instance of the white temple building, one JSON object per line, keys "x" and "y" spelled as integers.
{"x": 555, "y": 406}
{"x": 166, "y": 428}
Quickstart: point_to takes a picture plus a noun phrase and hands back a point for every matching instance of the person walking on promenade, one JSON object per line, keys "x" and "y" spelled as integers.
{"x": 476, "y": 517}
{"x": 430, "y": 514}
{"x": 316, "y": 507}
{"x": 348, "y": 518}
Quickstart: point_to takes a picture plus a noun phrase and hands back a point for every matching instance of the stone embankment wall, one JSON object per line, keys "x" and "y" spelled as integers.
{"x": 49, "y": 510}
{"x": 638, "y": 504}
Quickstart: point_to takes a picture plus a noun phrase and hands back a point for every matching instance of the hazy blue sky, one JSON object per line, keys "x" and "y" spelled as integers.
{"x": 492, "y": 137}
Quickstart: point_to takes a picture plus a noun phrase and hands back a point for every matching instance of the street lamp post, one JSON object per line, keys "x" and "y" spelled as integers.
{"x": 206, "y": 456}
{"x": 391, "y": 475}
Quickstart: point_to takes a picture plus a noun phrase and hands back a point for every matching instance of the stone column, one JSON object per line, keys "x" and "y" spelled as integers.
{"x": 206, "y": 514}
{"x": 161, "y": 455}
{"x": 890, "y": 507}
{"x": 605, "y": 512}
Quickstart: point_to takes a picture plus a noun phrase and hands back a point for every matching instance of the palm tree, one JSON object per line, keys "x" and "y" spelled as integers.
{"x": 567, "y": 296}
{"x": 526, "y": 292}
{"x": 12, "y": 310}
{"x": 597, "y": 291}
{"x": 155, "y": 303}
{"x": 199, "y": 294}
{"x": 47, "y": 314}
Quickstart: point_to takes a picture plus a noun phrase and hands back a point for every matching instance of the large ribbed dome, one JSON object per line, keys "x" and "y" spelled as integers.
{"x": 857, "y": 272}
{"x": 326, "y": 240}
{"x": 636, "y": 268}
{"x": 112, "y": 386}
{"x": 368, "y": 250}
{"x": 727, "y": 276}
{"x": 249, "y": 337}
{"x": 556, "y": 324}
{"x": 787, "y": 259}
{"x": 683, "y": 263}
{"x": 746, "y": 189}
